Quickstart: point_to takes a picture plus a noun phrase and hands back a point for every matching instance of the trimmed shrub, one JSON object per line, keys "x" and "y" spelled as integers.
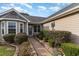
{"x": 55, "y": 38}
{"x": 9, "y": 38}
{"x": 21, "y": 37}
{"x": 25, "y": 49}
{"x": 70, "y": 49}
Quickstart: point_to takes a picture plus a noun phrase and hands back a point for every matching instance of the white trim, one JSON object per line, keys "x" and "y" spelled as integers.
{"x": 3, "y": 28}
{"x": 12, "y": 19}
{"x": 21, "y": 15}
{"x": 27, "y": 29}
{"x": 15, "y": 11}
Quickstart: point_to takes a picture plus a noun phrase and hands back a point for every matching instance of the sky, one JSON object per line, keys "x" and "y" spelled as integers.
{"x": 34, "y": 9}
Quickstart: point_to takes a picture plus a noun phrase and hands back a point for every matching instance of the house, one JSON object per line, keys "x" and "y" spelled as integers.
{"x": 66, "y": 19}
{"x": 13, "y": 21}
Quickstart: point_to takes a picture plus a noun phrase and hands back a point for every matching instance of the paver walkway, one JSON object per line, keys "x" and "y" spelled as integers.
{"x": 39, "y": 48}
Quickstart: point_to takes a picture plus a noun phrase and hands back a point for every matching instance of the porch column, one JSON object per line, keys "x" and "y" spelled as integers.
{"x": 26, "y": 28}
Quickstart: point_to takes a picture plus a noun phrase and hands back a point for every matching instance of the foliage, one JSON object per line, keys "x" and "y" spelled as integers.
{"x": 55, "y": 38}
{"x": 9, "y": 38}
{"x": 70, "y": 49}
{"x": 25, "y": 49}
{"x": 20, "y": 38}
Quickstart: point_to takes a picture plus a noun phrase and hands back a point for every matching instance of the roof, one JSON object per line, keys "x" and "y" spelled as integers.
{"x": 12, "y": 13}
{"x": 63, "y": 11}
{"x": 33, "y": 19}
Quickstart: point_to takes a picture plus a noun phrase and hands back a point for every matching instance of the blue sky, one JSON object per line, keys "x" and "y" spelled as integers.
{"x": 35, "y": 9}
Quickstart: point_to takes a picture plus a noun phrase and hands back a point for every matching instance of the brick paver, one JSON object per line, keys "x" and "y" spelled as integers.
{"x": 40, "y": 49}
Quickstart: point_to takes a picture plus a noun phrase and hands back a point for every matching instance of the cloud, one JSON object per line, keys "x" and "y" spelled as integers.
{"x": 56, "y": 8}
{"x": 42, "y": 8}
{"x": 29, "y": 5}
{"x": 63, "y": 4}
{"x": 3, "y": 7}
{"x": 9, "y": 6}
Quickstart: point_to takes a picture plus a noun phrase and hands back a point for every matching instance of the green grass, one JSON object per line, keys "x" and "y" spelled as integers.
{"x": 6, "y": 50}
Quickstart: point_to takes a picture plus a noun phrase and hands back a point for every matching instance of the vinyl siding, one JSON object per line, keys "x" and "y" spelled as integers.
{"x": 47, "y": 26}
{"x": 69, "y": 23}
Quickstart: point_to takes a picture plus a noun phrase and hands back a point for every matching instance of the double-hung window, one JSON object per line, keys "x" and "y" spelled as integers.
{"x": 12, "y": 27}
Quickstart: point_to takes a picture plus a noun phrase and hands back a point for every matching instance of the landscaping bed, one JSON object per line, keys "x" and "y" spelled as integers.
{"x": 70, "y": 49}
{"x": 20, "y": 42}
{"x": 6, "y": 50}
{"x": 55, "y": 39}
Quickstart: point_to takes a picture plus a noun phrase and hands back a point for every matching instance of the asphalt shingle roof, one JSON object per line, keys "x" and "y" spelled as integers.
{"x": 65, "y": 9}
{"x": 33, "y": 19}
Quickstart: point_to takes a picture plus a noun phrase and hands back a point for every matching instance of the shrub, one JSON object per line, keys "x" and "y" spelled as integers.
{"x": 9, "y": 38}
{"x": 70, "y": 49}
{"x": 20, "y": 37}
{"x": 25, "y": 49}
{"x": 55, "y": 38}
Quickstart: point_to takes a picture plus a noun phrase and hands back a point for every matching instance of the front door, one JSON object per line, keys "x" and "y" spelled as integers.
{"x": 30, "y": 30}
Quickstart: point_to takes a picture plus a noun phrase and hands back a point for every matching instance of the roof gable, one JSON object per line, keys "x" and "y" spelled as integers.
{"x": 12, "y": 13}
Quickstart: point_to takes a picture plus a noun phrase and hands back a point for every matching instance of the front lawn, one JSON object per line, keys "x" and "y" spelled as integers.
{"x": 6, "y": 50}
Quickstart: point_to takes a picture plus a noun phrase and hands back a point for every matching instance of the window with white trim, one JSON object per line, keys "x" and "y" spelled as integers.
{"x": 11, "y": 27}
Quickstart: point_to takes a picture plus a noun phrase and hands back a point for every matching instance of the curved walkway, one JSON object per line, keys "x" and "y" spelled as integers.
{"x": 39, "y": 48}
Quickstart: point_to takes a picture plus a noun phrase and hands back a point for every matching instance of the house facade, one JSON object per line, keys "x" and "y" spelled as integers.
{"x": 66, "y": 19}
{"x": 12, "y": 21}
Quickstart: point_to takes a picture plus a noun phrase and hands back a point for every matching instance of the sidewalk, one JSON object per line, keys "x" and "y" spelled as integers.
{"x": 41, "y": 50}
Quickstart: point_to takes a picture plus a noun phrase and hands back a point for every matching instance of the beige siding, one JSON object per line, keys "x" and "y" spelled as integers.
{"x": 47, "y": 26}
{"x": 69, "y": 23}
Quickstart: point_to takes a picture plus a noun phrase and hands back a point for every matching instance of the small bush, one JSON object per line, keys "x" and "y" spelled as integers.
{"x": 9, "y": 38}
{"x": 70, "y": 49}
{"x": 20, "y": 37}
{"x": 25, "y": 49}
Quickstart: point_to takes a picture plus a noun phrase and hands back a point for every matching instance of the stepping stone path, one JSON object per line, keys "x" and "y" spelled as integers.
{"x": 39, "y": 48}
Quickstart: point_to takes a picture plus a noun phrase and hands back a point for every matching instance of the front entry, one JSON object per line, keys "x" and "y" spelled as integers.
{"x": 30, "y": 30}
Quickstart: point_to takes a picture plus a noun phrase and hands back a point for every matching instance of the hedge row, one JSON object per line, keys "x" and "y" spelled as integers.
{"x": 54, "y": 37}
{"x": 70, "y": 49}
{"x": 18, "y": 38}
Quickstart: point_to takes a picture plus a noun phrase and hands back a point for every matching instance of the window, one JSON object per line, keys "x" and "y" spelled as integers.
{"x": 37, "y": 28}
{"x": 21, "y": 27}
{"x": 11, "y": 27}
{"x": 2, "y": 27}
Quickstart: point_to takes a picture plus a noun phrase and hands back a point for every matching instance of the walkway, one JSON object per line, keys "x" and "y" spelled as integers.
{"x": 39, "y": 48}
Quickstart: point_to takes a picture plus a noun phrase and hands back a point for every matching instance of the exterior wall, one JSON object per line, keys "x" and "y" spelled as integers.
{"x": 47, "y": 26}
{"x": 69, "y": 23}
{"x": 17, "y": 27}
{"x": 32, "y": 28}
